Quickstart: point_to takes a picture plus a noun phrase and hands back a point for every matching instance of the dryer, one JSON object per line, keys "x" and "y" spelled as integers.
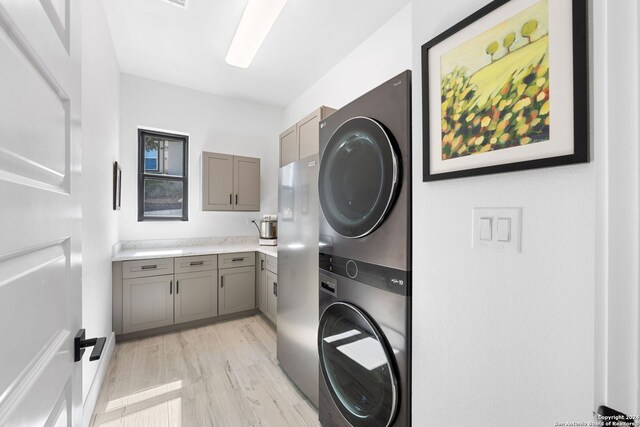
{"x": 364, "y": 182}
{"x": 364, "y": 188}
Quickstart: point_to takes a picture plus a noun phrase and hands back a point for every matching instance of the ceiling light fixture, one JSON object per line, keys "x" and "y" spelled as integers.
{"x": 257, "y": 20}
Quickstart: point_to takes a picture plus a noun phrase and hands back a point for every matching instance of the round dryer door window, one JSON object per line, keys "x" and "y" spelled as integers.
{"x": 356, "y": 367}
{"x": 358, "y": 177}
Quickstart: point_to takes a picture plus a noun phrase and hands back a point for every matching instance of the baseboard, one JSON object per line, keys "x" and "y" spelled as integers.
{"x": 183, "y": 326}
{"x": 98, "y": 380}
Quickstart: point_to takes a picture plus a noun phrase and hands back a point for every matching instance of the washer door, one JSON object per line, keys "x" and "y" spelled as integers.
{"x": 356, "y": 367}
{"x": 358, "y": 177}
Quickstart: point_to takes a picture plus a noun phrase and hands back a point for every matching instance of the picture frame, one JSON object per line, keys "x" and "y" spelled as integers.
{"x": 506, "y": 89}
{"x": 117, "y": 186}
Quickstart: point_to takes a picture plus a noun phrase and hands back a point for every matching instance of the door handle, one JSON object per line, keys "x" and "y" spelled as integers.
{"x": 80, "y": 343}
{"x": 170, "y": 287}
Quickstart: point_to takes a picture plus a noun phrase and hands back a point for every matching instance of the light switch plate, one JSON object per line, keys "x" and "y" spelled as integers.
{"x": 498, "y": 217}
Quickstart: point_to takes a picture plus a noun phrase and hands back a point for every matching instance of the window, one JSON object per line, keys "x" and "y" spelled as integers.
{"x": 163, "y": 161}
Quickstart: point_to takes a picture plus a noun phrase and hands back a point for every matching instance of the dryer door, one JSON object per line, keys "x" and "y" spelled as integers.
{"x": 358, "y": 178}
{"x": 356, "y": 366}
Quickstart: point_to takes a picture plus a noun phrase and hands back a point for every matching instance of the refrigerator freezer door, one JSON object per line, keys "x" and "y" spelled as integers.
{"x": 298, "y": 274}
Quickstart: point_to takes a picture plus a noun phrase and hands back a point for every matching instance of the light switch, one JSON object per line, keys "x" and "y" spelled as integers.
{"x": 503, "y": 231}
{"x": 498, "y": 229}
{"x": 485, "y": 228}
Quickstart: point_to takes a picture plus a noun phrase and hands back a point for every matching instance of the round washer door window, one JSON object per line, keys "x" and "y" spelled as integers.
{"x": 355, "y": 365}
{"x": 358, "y": 177}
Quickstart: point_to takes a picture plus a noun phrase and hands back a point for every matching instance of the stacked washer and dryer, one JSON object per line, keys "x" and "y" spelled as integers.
{"x": 364, "y": 331}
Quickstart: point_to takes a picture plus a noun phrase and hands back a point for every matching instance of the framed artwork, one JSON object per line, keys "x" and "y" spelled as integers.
{"x": 506, "y": 89}
{"x": 117, "y": 185}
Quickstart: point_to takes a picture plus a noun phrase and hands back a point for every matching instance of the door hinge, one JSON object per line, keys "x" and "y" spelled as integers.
{"x": 80, "y": 343}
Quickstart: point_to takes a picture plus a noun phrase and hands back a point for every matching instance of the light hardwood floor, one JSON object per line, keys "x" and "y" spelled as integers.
{"x": 225, "y": 374}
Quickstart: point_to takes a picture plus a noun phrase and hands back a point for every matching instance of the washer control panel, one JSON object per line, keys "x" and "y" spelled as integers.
{"x": 390, "y": 279}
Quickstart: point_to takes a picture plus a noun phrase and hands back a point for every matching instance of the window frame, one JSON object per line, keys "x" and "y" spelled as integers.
{"x": 142, "y": 175}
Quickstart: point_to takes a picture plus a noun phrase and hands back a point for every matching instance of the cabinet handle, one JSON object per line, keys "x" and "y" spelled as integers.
{"x": 222, "y": 281}
{"x": 177, "y": 287}
{"x": 196, "y": 263}
{"x": 275, "y": 289}
{"x": 148, "y": 267}
{"x": 261, "y": 265}
{"x": 170, "y": 287}
{"x": 237, "y": 259}
{"x": 230, "y": 199}
{"x": 236, "y": 199}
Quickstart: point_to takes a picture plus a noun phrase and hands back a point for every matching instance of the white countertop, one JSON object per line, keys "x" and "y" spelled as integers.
{"x": 148, "y": 249}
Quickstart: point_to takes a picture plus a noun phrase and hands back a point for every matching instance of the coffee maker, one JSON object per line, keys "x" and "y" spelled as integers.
{"x": 268, "y": 229}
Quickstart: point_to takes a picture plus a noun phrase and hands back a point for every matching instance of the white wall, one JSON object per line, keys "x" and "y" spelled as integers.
{"x": 214, "y": 124}
{"x": 500, "y": 339}
{"x": 100, "y": 133}
{"x": 380, "y": 57}
{"x": 617, "y": 249}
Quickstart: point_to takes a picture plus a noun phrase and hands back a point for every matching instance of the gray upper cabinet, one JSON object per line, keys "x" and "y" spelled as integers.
{"x": 230, "y": 183}
{"x": 217, "y": 182}
{"x": 289, "y": 150}
{"x": 246, "y": 183}
{"x": 302, "y": 139}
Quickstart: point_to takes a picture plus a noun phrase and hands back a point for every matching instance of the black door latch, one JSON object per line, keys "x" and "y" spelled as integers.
{"x": 80, "y": 343}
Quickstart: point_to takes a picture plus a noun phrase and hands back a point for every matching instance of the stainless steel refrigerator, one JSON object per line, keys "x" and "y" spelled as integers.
{"x": 298, "y": 274}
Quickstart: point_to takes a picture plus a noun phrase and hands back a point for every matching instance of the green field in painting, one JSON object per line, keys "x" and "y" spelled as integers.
{"x": 491, "y": 78}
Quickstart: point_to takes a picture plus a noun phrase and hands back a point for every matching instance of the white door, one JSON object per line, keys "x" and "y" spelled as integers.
{"x": 40, "y": 262}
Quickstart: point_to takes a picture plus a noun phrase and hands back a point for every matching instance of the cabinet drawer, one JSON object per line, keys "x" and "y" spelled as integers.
{"x": 239, "y": 259}
{"x": 192, "y": 264}
{"x": 272, "y": 264}
{"x": 147, "y": 267}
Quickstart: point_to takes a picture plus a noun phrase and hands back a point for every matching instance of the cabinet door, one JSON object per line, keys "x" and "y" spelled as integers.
{"x": 308, "y": 133}
{"x": 147, "y": 303}
{"x": 196, "y": 296}
{"x": 272, "y": 297}
{"x": 246, "y": 183}
{"x": 237, "y": 289}
{"x": 217, "y": 182}
{"x": 262, "y": 284}
{"x": 289, "y": 148}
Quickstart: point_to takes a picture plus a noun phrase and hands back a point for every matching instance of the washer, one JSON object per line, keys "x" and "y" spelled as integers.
{"x": 364, "y": 346}
{"x": 364, "y": 188}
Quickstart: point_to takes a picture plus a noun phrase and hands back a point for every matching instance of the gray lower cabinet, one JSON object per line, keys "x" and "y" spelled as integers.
{"x": 196, "y": 296}
{"x": 272, "y": 296}
{"x": 267, "y": 284}
{"x": 237, "y": 289}
{"x": 158, "y": 293}
{"x": 147, "y": 303}
{"x": 261, "y": 283}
